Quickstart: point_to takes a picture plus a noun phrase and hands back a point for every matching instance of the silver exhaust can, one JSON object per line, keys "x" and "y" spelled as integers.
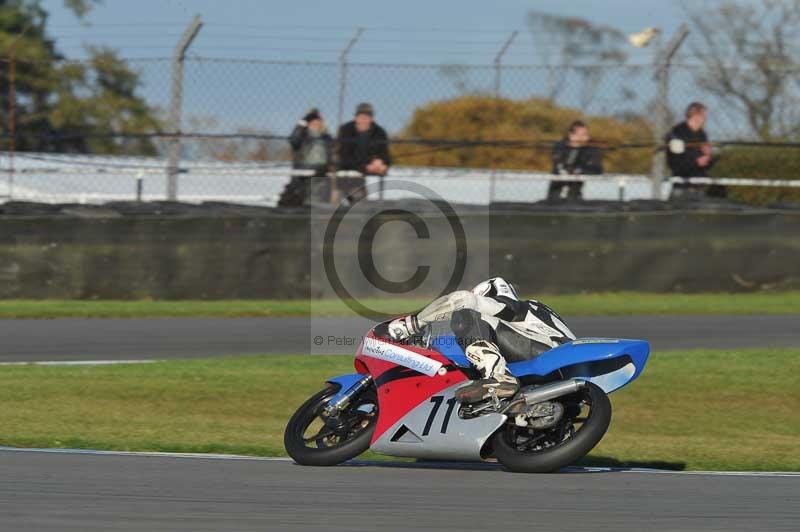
{"x": 538, "y": 394}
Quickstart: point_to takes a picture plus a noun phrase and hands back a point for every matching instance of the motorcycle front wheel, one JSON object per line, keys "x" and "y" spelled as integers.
{"x": 313, "y": 438}
{"x": 587, "y": 415}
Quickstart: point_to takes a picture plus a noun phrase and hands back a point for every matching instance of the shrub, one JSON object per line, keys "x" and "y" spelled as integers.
{"x": 760, "y": 162}
{"x": 536, "y": 120}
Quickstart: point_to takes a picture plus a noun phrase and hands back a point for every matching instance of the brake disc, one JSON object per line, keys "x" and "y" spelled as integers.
{"x": 544, "y": 415}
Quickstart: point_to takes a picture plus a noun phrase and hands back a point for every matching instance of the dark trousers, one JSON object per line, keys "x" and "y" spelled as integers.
{"x": 688, "y": 191}
{"x": 352, "y": 188}
{"x": 556, "y": 190}
{"x": 299, "y": 190}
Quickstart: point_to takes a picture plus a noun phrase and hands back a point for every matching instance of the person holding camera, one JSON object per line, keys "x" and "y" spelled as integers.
{"x": 689, "y": 154}
{"x": 312, "y": 153}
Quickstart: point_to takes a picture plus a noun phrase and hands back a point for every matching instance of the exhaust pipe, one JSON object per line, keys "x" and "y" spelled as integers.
{"x": 540, "y": 394}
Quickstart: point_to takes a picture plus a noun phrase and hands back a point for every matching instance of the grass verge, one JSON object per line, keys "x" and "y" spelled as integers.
{"x": 696, "y": 410}
{"x": 605, "y": 304}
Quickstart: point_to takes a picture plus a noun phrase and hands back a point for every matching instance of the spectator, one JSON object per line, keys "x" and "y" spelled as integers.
{"x": 363, "y": 147}
{"x": 689, "y": 153}
{"x": 574, "y": 156}
{"x": 311, "y": 150}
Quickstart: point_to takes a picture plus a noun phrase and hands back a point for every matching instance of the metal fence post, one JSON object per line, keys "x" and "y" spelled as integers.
{"x": 343, "y": 74}
{"x": 662, "y": 66}
{"x": 175, "y": 104}
{"x": 342, "y": 91}
{"x": 498, "y": 71}
{"x": 498, "y": 60}
{"x": 12, "y": 119}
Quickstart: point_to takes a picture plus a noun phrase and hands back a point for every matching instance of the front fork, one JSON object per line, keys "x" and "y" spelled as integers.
{"x": 342, "y": 399}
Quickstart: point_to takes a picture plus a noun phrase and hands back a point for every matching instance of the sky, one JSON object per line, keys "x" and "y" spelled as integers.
{"x": 264, "y": 97}
{"x": 406, "y": 31}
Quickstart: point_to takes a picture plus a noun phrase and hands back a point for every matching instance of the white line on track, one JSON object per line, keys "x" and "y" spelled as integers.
{"x": 671, "y": 472}
{"x": 78, "y": 362}
{"x": 367, "y": 463}
{"x": 201, "y": 456}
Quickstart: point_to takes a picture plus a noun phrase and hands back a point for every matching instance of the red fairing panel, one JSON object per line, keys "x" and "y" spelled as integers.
{"x": 401, "y": 389}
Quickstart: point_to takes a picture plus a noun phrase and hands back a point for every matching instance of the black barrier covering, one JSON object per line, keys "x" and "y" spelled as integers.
{"x": 217, "y": 251}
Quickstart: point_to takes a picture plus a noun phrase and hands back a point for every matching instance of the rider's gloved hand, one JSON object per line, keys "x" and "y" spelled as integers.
{"x": 402, "y": 328}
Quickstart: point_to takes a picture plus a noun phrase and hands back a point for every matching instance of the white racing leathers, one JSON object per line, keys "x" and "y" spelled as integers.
{"x": 502, "y": 315}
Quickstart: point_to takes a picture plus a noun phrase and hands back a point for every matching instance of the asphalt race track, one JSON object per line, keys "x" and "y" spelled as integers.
{"x": 125, "y": 339}
{"x": 87, "y": 492}
{"x": 90, "y": 491}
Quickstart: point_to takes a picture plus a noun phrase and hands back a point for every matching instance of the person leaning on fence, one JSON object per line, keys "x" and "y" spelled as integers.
{"x": 363, "y": 147}
{"x": 689, "y": 154}
{"x": 312, "y": 151}
{"x": 574, "y": 156}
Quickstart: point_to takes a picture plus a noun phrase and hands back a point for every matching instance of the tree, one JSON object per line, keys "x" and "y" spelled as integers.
{"x": 458, "y": 75}
{"x": 81, "y": 7}
{"x": 575, "y": 45}
{"x": 97, "y": 105}
{"x": 525, "y": 122}
{"x": 245, "y": 145}
{"x": 249, "y": 146}
{"x": 750, "y": 57}
{"x": 69, "y": 106}
{"x": 567, "y": 46}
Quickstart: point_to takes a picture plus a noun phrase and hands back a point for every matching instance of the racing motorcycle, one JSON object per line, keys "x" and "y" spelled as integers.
{"x": 401, "y": 402}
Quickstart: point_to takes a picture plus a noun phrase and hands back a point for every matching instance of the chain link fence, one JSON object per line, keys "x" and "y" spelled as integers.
{"x": 473, "y": 133}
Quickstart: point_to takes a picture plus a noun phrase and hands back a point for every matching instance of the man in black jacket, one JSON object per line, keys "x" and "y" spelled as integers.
{"x": 312, "y": 150}
{"x": 574, "y": 156}
{"x": 363, "y": 147}
{"x": 689, "y": 153}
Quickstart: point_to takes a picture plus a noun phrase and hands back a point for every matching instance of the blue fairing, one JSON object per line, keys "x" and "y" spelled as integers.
{"x": 599, "y": 360}
{"x": 584, "y": 350}
{"x": 345, "y": 382}
{"x": 448, "y": 346}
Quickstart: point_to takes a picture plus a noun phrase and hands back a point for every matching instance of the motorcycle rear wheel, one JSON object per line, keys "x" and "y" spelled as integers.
{"x": 565, "y": 444}
{"x": 337, "y": 440}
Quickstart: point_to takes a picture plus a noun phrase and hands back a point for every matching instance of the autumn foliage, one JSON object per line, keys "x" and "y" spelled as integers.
{"x": 534, "y": 124}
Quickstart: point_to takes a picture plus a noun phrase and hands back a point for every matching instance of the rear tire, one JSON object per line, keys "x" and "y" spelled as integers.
{"x": 325, "y": 452}
{"x": 562, "y": 454}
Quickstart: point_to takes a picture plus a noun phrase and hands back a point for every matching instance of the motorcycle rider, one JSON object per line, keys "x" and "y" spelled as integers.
{"x": 490, "y": 309}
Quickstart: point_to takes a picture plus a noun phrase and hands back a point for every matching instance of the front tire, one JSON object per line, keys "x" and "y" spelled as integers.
{"x": 337, "y": 440}
{"x": 561, "y": 446}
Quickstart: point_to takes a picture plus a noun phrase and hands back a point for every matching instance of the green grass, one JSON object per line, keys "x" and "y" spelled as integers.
{"x": 605, "y": 304}
{"x": 698, "y": 409}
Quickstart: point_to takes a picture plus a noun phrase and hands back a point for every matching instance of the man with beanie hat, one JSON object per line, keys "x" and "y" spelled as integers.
{"x": 312, "y": 149}
{"x": 363, "y": 147}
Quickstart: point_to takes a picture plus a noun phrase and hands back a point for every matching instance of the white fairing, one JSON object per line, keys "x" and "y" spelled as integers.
{"x": 616, "y": 379}
{"x": 448, "y": 437}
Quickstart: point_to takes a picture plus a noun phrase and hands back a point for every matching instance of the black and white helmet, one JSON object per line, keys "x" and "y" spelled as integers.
{"x": 496, "y": 287}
